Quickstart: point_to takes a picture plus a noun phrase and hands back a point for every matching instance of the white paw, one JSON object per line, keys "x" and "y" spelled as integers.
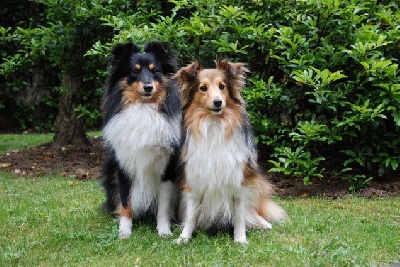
{"x": 262, "y": 223}
{"x": 125, "y": 233}
{"x": 164, "y": 229}
{"x": 125, "y": 228}
{"x": 164, "y": 232}
{"x": 266, "y": 225}
{"x": 181, "y": 240}
{"x": 241, "y": 240}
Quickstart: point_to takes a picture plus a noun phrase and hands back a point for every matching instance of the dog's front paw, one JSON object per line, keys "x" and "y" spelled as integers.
{"x": 164, "y": 233}
{"x": 241, "y": 240}
{"x": 125, "y": 228}
{"x": 164, "y": 230}
{"x": 125, "y": 233}
{"x": 181, "y": 240}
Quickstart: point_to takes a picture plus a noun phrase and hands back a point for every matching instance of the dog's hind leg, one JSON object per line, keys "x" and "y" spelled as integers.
{"x": 125, "y": 211}
{"x": 110, "y": 185}
{"x": 165, "y": 208}
{"x": 261, "y": 222}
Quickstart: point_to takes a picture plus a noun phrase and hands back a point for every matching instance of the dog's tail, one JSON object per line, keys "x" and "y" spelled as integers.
{"x": 267, "y": 208}
{"x": 271, "y": 211}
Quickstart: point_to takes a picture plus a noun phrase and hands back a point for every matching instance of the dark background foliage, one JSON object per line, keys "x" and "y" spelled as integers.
{"x": 323, "y": 93}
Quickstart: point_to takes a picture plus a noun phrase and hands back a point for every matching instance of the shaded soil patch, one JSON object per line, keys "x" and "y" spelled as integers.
{"x": 85, "y": 163}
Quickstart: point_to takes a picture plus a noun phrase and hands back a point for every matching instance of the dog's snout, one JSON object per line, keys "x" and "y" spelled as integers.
{"x": 148, "y": 88}
{"x": 217, "y": 103}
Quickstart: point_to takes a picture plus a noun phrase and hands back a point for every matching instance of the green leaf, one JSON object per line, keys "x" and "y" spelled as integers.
{"x": 396, "y": 117}
{"x": 365, "y": 65}
{"x": 395, "y": 164}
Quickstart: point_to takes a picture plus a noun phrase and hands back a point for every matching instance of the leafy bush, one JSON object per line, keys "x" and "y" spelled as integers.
{"x": 340, "y": 64}
{"x": 324, "y": 90}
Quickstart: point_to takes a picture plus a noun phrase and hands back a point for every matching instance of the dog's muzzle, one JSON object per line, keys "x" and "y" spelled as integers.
{"x": 217, "y": 109}
{"x": 148, "y": 89}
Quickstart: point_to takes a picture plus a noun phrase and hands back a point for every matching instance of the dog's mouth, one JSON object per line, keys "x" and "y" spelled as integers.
{"x": 146, "y": 95}
{"x": 216, "y": 111}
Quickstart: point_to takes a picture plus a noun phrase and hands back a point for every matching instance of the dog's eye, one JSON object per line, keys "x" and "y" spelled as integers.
{"x": 135, "y": 71}
{"x": 154, "y": 71}
{"x": 203, "y": 88}
{"x": 221, "y": 86}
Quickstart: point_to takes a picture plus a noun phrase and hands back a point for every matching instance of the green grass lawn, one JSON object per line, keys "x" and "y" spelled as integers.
{"x": 9, "y": 142}
{"x": 54, "y": 221}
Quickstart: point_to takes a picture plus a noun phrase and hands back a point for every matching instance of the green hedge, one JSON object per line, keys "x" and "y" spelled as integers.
{"x": 324, "y": 91}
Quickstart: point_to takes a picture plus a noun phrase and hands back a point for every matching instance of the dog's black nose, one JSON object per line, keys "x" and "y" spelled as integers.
{"x": 217, "y": 103}
{"x": 148, "y": 88}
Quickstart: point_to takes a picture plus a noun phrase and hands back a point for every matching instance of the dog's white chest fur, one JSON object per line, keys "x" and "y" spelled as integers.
{"x": 142, "y": 139}
{"x": 214, "y": 170}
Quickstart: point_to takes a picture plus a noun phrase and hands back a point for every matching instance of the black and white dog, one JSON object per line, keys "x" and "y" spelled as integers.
{"x": 141, "y": 130}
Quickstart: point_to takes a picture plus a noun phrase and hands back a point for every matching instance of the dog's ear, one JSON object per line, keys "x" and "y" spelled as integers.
{"x": 235, "y": 77}
{"x": 120, "y": 62}
{"x": 124, "y": 51}
{"x": 187, "y": 80}
{"x": 188, "y": 74}
{"x": 165, "y": 54}
{"x": 233, "y": 70}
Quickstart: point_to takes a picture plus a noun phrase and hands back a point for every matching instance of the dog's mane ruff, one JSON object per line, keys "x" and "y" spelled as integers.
{"x": 247, "y": 133}
{"x": 170, "y": 104}
{"x": 110, "y": 102}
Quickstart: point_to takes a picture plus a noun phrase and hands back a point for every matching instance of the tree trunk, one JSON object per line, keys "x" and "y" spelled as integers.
{"x": 68, "y": 128}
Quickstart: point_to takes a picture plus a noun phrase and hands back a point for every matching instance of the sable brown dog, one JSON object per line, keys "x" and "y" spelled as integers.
{"x": 222, "y": 184}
